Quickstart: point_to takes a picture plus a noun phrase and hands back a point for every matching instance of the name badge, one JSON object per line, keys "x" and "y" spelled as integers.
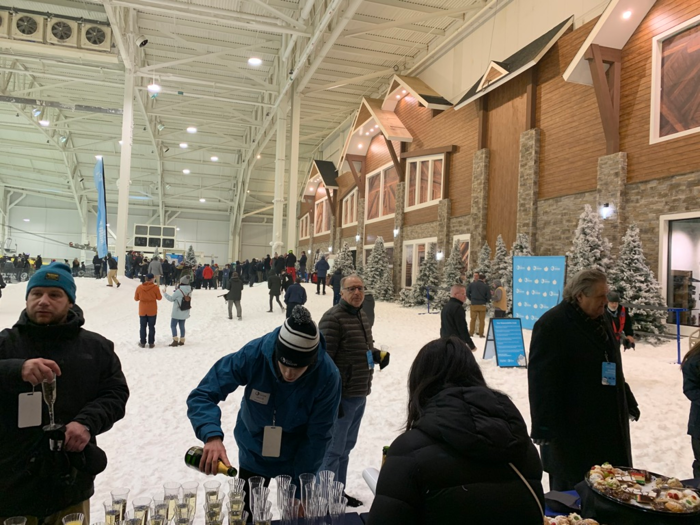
{"x": 370, "y": 360}
{"x": 29, "y": 410}
{"x": 259, "y": 397}
{"x": 272, "y": 442}
{"x": 609, "y": 374}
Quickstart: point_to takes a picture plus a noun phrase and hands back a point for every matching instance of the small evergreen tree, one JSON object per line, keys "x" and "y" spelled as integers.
{"x": 632, "y": 278}
{"x": 521, "y": 246}
{"x": 483, "y": 264}
{"x": 427, "y": 278}
{"x": 190, "y": 257}
{"x": 344, "y": 261}
{"x": 590, "y": 250}
{"x": 451, "y": 274}
{"x": 377, "y": 275}
{"x": 499, "y": 265}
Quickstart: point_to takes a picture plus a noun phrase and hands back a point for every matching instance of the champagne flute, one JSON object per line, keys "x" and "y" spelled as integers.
{"x": 48, "y": 389}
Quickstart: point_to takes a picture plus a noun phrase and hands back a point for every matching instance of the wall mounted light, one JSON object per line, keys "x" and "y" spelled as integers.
{"x": 606, "y": 211}
{"x": 330, "y": 248}
{"x": 357, "y": 238}
{"x": 396, "y": 232}
{"x": 439, "y": 256}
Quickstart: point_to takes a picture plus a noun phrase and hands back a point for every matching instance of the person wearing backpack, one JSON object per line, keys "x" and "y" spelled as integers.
{"x": 182, "y": 303}
{"x": 235, "y": 290}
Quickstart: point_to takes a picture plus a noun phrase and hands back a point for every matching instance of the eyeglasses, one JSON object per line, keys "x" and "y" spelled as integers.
{"x": 354, "y": 289}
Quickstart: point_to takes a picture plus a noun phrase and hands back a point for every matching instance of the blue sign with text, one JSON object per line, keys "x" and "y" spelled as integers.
{"x": 99, "y": 177}
{"x": 505, "y": 340}
{"x": 538, "y": 285}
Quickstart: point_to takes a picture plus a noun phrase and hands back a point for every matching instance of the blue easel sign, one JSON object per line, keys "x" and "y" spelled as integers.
{"x": 538, "y": 285}
{"x": 505, "y": 341}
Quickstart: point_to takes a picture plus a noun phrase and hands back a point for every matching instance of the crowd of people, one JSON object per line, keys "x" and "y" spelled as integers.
{"x": 464, "y": 455}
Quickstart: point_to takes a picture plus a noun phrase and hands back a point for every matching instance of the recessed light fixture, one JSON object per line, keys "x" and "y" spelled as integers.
{"x": 367, "y": 133}
{"x": 26, "y": 220}
{"x": 186, "y": 171}
{"x": 311, "y": 188}
{"x": 191, "y": 129}
{"x": 98, "y": 157}
{"x": 153, "y": 88}
{"x": 45, "y": 123}
{"x": 178, "y": 229}
{"x": 255, "y": 61}
{"x": 202, "y": 200}
{"x": 627, "y": 15}
{"x": 359, "y": 146}
{"x": 215, "y": 159}
{"x": 183, "y": 145}
{"x": 398, "y": 96}
{"x": 403, "y": 91}
{"x": 258, "y": 156}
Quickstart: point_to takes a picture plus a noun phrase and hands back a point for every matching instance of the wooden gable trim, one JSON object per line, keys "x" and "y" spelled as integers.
{"x": 493, "y": 73}
{"x": 607, "y": 91}
{"x": 429, "y": 151}
{"x": 394, "y": 159}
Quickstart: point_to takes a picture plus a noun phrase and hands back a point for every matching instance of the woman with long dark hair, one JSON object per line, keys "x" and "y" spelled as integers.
{"x": 691, "y": 388}
{"x": 465, "y": 457}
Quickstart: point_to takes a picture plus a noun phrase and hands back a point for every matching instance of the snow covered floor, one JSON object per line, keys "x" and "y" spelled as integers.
{"x": 146, "y": 448}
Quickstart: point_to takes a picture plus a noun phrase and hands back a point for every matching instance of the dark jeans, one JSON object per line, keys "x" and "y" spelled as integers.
{"x": 344, "y": 437}
{"x": 245, "y": 474}
{"x": 277, "y": 298}
{"x": 150, "y": 321}
{"x": 696, "y": 450}
{"x": 560, "y": 484}
{"x": 97, "y": 270}
{"x": 320, "y": 281}
{"x": 336, "y": 297}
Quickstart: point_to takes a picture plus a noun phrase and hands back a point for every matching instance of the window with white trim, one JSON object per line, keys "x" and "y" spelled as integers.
{"x": 350, "y": 208}
{"x": 380, "y": 193}
{"x": 424, "y": 176}
{"x": 388, "y": 247}
{"x": 322, "y": 217}
{"x": 414, "y": 253}
{"x": 304, "y": 227}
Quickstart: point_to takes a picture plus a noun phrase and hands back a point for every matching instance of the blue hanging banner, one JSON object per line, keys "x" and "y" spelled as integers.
{"x": 538, "y": 285}
{"x": 99, "y": 176}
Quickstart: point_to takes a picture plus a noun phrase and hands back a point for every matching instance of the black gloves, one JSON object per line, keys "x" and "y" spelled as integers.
{"x": 381, "y": 358}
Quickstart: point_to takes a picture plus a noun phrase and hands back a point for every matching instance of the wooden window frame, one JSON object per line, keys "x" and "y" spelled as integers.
{"x": 417, "y": 160}
{"x": 656, "y": 61}
{"x": 380, "y": 173}
{"x": 304, "y": 227}
{"x": 346, "y": 200}
{"x": 416, "y": 266}
{"x": 326, "y": 209}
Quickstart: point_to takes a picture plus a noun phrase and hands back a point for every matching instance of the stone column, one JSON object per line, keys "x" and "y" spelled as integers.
{"x": 398, "y": 240}
{"x": 612, "y": 177}
{"x": 444, "y": 240}
{"x": 528, "y": 184}
{"x": 361, "y": 231}
{"x": 480, "y": 193}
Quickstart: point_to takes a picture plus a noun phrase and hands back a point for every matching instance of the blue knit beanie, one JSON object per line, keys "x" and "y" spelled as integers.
{"x": 55, "y": 275}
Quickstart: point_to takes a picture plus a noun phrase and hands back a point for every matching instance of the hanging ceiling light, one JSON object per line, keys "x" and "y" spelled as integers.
{"x": 184, "y": 145}
{"x": 36, "y": 112}
{"x": 160, "y": 127}
{"x": 44, "y": 123}
{"x": 191, "y": 129}
{"x": 153, "y": 87}
{"x": 98, "y": 157}
{"x": 255, "y": 61}
{"x": 215, "y": 159}
{"x": 202, "y": 200}
{"x": 258, "y": 156}
{"x": 63, "y": 139}
{"x": 186, "y": 171}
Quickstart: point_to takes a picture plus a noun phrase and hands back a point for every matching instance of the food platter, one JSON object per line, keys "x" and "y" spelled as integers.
{"x": 644, "y": 490}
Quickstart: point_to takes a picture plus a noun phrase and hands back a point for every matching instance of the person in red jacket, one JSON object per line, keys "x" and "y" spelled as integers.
{"x": 147, "y": 294}
{"x": 208, "y": 275}
{"x": 621, "y": 321}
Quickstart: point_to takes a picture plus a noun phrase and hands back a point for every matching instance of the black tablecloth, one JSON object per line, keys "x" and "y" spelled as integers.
{"x": 350, "y": 519}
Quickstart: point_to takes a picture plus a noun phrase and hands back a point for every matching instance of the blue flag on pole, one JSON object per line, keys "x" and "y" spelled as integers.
{"x": 99, "y": 175}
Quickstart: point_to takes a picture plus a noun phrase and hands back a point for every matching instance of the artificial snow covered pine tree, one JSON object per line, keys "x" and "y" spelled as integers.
{"x": 632, "y": 278}
{"x": 451, "y": 274}
{"x": 377, "y": 275}
{"x": 499, "y": 265}
{"x": 590, "y": 250}
{"x": 190, "y": 257}
{"x": 483, "y": 265}
{"x": 427, "y": 277}
{"x": 344, "y": 261}
{"x": 521, "y": 246}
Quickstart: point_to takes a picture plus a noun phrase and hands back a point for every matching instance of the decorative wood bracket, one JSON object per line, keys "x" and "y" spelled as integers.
{"x": 358, "y": 181}
{"x": 394, "y": 159}
{"x": 607, "y": 91}
{"x": 331, "y": 200}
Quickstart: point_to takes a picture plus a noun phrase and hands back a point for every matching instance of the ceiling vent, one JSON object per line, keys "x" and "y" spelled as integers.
{"x": 62, "y": 32}
{"x": 96, "y": 37}
{"x": 28, "y": 27}
{"x": 5, "y": 20}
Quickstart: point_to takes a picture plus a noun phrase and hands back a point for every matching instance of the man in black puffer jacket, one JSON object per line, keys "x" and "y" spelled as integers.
{"x": 48, "y": 341}
{"x": 349, "y": 343}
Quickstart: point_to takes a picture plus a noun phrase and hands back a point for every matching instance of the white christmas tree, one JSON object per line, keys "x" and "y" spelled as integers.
{"x": 426, "y": 284}
{"x": 590, "y": 250}
{"x": 483, "y": 264}
{"x": 451, "y": 274}
{"x": 344, "y": 261}
{"x": 377, "y": 275}
{"x": 190, "y": 257}
{"x": 499, "y": 265}
{"x": 632, "y": 278}
{"x": 520, "y": 248}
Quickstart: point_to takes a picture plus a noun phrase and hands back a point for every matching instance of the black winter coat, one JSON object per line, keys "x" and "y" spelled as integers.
{"x": 279, "y": 265}
{"x": 691, "y": 389}
{"x": 454, "y": 322}
{"x": 91, "y": 390}
{"x": 452, "y": 467}
{"x": 302, "y": 261}
{"x": 112, "y": 263}
{"x": 295, "y": 294}
{"x": 368, "y": 308}
{"x": 336, "y": 278}
{"x": 348, "y": 337}
{"x": 274, "y": 284}
{"x": 235, "y": 289}
{"x": 291, "y": 260}
{"x": 586, "y": 422}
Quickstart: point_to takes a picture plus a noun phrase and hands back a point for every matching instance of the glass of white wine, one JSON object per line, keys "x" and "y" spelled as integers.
{"x": 239, "y": 521}
{"x": 142, "y": 508}
{"x": 77, "y": 518}
{"x": 16, "y": 520}
{"x": 119, "y": 498}
{"x": 171, "y": 495}
{"x": 48, "y": 388}
{"x": 189, "y": 491}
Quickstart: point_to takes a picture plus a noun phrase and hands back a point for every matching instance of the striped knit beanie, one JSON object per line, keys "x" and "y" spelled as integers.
{"x": 298, "y": 340}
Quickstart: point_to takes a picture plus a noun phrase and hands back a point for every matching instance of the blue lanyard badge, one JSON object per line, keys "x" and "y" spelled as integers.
{"x": 370, "y": 360}
{"x": 609, "y": 373}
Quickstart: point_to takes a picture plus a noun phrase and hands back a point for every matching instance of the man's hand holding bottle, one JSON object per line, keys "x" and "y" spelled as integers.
{"x": 214, "y": 451}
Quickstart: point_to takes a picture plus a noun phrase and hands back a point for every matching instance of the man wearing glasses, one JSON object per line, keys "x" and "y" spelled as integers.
{"x": 349, "y": 343}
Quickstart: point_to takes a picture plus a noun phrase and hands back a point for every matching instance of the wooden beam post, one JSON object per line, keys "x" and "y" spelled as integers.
{"x": 607, "y": 91}
{"x": 531, "y": 100}
{"x": 331, "y": 200}
{"x": 356, "y": 176}
{"x": 394, "y": 158}
{"x": 482, "y": 114}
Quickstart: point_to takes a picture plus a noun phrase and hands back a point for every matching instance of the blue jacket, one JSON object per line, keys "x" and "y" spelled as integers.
{"x": 198, "y": 272}
{"x": 691, "y": 389}
{"x": 322, "y": 267}
{"x": 306, "y": 409}
{"x": 176, "y": 298}
{"x": 295, "y": 294}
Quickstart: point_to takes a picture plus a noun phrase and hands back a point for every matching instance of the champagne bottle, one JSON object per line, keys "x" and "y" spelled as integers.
{"x": 194, "y": 455}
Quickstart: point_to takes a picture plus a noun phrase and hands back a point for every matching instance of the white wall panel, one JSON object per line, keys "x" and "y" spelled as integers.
{"x": 255, "y": 240}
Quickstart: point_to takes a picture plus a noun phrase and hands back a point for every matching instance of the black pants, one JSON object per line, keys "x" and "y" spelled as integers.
{"x": 560, "y": 484}
{"x": 499, "y": 314}
{"x": 150, "y": 321}
{"x": 277, "y": 298}
{"x": 246, "y": 475}
{"x": 320, "y": 281}
{"x": 97, "y": 271}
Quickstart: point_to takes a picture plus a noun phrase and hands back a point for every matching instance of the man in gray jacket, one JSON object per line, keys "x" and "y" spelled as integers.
{"x": 156, "y": 268}
{"x": 349, "y": 344}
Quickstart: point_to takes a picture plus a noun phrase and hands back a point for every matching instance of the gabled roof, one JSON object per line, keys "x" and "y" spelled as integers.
{"x": 614, "y": 28}
{"x": 401, "y": 86}
{"x": 517, "y": 63}
{"x": 327, "y": 171}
